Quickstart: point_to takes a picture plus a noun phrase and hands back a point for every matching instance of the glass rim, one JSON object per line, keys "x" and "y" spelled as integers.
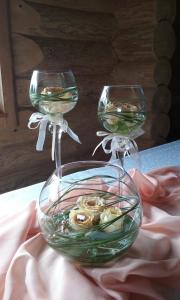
{"x": 53, "y": 72}
{"x": 94, "y": 164}
{"x": 124, "y": 85}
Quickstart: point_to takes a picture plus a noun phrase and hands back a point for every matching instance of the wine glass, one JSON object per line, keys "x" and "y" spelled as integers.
{"x": 93, "y": 216}
{"x": 54, "y": 94}
{"x": 121, "y": 111}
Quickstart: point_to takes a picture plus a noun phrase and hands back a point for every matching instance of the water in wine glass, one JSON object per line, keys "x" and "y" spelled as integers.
{"x": 121, "y": 109}
{"x": 53, "y": 93}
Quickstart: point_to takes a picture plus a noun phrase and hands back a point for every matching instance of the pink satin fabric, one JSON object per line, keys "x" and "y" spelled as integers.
{"x": 31, "y": 270}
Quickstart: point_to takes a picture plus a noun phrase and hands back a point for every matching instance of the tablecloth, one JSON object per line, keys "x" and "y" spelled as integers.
{"x": 31, "y": 270}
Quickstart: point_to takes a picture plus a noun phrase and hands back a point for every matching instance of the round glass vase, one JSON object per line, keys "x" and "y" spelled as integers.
{"x": 92, "y": 214}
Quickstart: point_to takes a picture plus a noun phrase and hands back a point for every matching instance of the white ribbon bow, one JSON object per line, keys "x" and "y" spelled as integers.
{"x": 42, "y": 121}
{"x": 119, "y": 143}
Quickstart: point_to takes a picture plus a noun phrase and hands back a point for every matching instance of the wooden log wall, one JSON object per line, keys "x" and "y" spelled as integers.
{"x": 144, "y": 47}
{"x": 174, "y": 133}
{"x": 103, "y": 42}
{"x": 56, "y": 35}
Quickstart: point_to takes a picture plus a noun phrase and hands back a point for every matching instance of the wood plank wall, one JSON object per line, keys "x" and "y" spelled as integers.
{"x": 103, "y": 42}
{"x": 174, "y": 133}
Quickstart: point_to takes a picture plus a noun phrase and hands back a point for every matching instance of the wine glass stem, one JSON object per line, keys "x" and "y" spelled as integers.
{"x": 120, "y": 157}
{"x": 58, "y": 150}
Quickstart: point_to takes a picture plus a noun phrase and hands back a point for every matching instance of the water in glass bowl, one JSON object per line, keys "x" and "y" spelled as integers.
{"x": 92, "y": 214}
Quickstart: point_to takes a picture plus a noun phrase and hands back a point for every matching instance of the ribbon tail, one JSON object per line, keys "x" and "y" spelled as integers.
{"x": 53, "y": 141}
{"x": 41, "y": 135}
{"x": 97, "y": 147}
{"x": 73, "y": 135}
{"x": 56, "y": 122}
{"x": 104, "y": 143}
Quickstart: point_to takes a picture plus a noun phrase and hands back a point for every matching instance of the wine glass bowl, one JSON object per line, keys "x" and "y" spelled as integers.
{"x": 53, "y": 92}
{"x": 121, "y": 108}
{"x": 92, "y": 214}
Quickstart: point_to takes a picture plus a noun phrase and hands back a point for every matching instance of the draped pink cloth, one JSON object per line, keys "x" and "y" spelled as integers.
{"x": 31, "y": 270}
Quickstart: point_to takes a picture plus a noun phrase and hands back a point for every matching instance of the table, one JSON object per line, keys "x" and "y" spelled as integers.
{"x": 153, "y": 158}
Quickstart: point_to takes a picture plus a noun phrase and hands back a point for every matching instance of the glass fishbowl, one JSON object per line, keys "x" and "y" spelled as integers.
{"x": 92, "y": 214}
